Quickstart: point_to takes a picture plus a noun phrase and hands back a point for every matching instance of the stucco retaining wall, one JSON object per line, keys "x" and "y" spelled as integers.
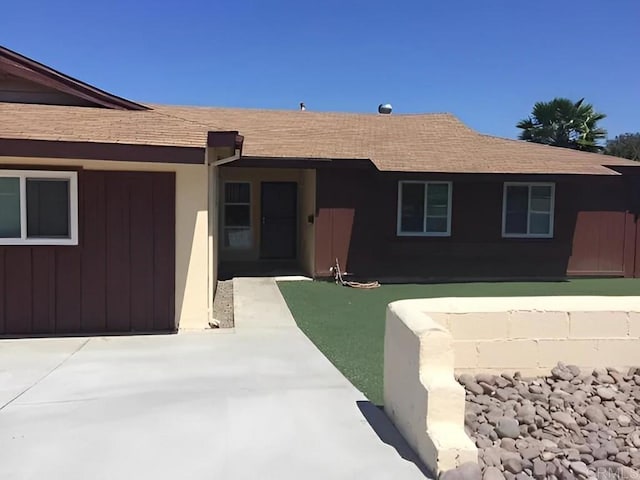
{"x": 426, "y": 340}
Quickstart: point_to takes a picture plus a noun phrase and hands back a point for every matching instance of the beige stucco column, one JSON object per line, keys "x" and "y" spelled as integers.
{"x": 192, "y": 249}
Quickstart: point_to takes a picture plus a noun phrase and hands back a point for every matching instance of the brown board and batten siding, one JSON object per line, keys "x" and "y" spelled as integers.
{"x": 357, "y": 221}
{"x": 121, "y": 276}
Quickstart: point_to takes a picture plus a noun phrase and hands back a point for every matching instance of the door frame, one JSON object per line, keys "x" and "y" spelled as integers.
{"x": 296, "y": 222}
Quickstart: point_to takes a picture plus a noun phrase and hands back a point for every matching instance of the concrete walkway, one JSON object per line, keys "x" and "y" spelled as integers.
{"x": 258, "y": 402}
{"x": 258, "y": 303}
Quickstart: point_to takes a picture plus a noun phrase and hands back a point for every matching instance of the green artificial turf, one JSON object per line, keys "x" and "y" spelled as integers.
{"x": 347, "y": 324}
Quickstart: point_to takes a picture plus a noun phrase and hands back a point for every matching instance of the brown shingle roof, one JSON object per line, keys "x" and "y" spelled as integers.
{"x": 422, "y": 143}
{"x": 86, "y": 124}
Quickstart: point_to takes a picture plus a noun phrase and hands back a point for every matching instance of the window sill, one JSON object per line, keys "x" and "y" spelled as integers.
{"x": 42, "y": 242}
{"x": 421, "y": 234}
{"x": 527, "y": 237}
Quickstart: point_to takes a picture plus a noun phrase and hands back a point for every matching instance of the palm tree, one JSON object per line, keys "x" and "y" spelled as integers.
{"x": 563, "y": 123}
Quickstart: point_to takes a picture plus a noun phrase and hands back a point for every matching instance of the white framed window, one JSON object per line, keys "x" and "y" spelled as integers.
{"x": 38, "y": 207}
{"x": 527, "y": 210}
{"x": 424, "y": 208}
{"x": 236, "y": 214}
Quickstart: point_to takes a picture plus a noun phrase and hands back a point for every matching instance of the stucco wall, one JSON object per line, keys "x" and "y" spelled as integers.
{"x": 307, "y": 229}
{"x": 191, "y": 228}
{"x": 214, "y": 236}
{"x": 531, "y": 334}
{"x": 426, "y": 339}
{"x": 421, "y": 395}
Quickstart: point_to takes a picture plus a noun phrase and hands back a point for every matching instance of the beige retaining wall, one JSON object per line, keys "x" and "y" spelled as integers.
{"x": 426, "y": 340}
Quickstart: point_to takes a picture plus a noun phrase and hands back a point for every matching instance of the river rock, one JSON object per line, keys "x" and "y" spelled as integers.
{"x": 562, "y": 373}
{"x": 539, "y": 468}
{"x": 605, "y": 393}
{"x": 508, "y": 427}
{"x": 486, "y": 378}
{"x": 493, "y": 473}
{"x": 466, "y": 471}
{"x": 466, "y": 378}
{"x": 606, "y": 379}
{"x": 564, "y": 426}
{"x": 623, "y": 457}
{"x": 513, "y": 465}
{"x": 595, "y": 414}
{"x": 580, "y": 468}
{"x": 509, "y": 444}
{"x": 492, "y": 457}
{"x": 484, "y": 429}
{"x": 474, "y": 388}
{"x": 624, "y": 420}
{"x": 565, "y": 419}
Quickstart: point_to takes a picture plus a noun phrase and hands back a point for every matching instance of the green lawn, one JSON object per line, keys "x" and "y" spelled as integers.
{"x": 347, "y": 324}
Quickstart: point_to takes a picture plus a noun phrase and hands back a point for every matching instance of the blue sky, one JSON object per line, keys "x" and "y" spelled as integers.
{"x": 485, "y": 61}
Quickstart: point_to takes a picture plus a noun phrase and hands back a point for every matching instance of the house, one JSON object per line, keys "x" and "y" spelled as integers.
{"x": 115, "y": 216}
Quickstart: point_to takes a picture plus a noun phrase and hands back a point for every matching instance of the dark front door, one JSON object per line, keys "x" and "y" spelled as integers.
{"x": 278, "y": 236}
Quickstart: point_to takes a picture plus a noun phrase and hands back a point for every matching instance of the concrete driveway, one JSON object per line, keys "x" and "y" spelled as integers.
{"x": 257, "y": 402}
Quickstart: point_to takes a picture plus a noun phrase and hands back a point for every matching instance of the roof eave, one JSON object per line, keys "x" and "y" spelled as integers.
{"x": 119, "y": 152}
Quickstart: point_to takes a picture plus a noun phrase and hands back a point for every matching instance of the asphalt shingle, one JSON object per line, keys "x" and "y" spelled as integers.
{"x": 420, "y": 142}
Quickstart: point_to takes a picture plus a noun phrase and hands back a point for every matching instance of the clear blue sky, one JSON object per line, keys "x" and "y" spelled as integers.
{"x": 485, "y": 61}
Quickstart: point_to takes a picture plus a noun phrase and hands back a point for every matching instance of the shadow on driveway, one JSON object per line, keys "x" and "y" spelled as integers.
{"x": 389, "y": 434}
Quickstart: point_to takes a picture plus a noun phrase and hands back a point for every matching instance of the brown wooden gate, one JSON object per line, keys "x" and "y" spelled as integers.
{"x": 121, "y": 276}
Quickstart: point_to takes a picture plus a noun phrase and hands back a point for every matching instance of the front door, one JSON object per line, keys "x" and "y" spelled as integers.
{"x": 279, "y": 204}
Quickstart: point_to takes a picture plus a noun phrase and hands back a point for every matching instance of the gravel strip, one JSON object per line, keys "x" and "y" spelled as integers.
{"x": 568, "y": 425}
{"x": 223, "y": 304}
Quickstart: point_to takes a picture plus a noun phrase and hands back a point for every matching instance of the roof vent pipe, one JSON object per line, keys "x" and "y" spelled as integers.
{"x": 385, "y": 108}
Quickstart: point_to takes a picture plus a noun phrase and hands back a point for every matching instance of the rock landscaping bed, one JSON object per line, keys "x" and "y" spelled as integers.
{"x": 568, "y": 425}
{"x": 223, "y": 304}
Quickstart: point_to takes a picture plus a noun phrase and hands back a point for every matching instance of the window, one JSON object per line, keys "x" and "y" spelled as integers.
{"x": 424, "y": 208}
{"x": 237, "y": 215}
{"x": 38, "y": 207}
{"x": 527, "y": 210}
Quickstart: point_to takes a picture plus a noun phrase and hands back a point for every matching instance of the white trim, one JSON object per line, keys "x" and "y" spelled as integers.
{"x": 232, "y": 158}
{"x": 424, "y": 233}
{"x": 237, "y": 227}
{"x": 529, "y": 211}
{"x": 23, "y": 175}
{"x": 23, "y": 208}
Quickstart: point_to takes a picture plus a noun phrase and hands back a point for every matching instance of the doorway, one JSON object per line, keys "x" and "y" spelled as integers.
{"x": 279, "y": 226}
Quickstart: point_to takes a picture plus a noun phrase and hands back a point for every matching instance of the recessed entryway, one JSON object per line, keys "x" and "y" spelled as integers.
{"x": 273, "y": 228}
{"x": 279, "y": 225}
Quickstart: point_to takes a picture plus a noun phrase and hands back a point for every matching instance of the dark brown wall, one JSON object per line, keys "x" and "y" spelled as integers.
{"x": 121, "y": 276}
{"x": 356, "y": 222}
